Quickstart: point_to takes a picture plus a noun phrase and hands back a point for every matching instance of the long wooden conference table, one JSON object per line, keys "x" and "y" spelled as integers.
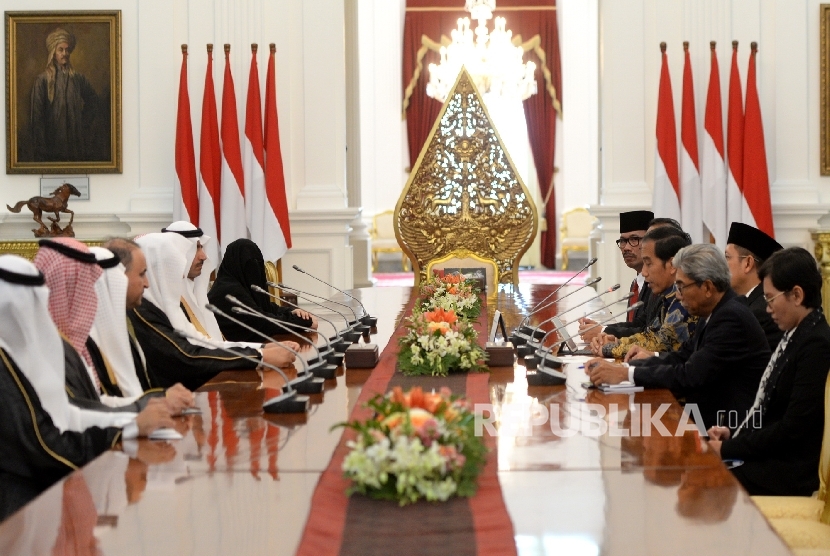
{"x": 241, "y": 482}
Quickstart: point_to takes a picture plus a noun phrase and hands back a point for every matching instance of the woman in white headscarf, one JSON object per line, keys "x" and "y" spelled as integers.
{"x": 43, "y": 436}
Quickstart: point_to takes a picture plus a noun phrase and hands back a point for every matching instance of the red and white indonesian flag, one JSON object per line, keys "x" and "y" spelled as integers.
{"x": 666, "y": 202}
{"x": 186, "y": 198}
{"x": 713, "y": 167}
{"x": 262, "y": 219}
{"x": 210, "y": 165}
{"x": 735, "y": 144}
{"x": 690, "y": 195}
{"x": 232, "y": 222}
{"x": 277, "y": 229}
{"x": 757, "y": 210}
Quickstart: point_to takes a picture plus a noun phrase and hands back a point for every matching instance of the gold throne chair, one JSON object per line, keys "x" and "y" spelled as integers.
{"x": 465, "y": 204}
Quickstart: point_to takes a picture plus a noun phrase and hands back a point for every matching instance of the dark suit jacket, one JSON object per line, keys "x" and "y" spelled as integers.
{"x": 755, "y": 302}
{"x": 171, "y": 358}
{"x": 642, "y": 316}
{"x": 718, "y": 368}
{"x": 782, "y": 456}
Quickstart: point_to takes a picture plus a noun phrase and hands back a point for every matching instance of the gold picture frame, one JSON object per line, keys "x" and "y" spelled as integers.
{"x": 825, "y": 89}
{"x": 63, "y": 92}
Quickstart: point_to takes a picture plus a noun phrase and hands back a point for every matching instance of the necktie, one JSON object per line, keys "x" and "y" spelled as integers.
{"x": 633, "y": 299}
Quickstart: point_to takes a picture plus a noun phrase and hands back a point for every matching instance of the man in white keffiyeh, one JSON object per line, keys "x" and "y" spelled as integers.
{"x": 169, "y": 339}
{"x": 197, "y": 282}
{"x": 34, "y": 406}
{"x": 72, "y": 271}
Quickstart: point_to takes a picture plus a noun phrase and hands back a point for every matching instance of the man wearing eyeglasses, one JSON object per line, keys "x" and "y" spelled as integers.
{"x": 719, "y": 368}
{"x": 633, "y": 227}
{"x": 746, "y": 250}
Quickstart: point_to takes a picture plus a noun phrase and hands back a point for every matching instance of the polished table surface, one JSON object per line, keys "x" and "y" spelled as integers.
{"x": 241, "y": 481}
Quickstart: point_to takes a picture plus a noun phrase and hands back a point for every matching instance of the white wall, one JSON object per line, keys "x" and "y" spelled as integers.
{"x": 787, "y": 32}
{"x": 310, "y": 67}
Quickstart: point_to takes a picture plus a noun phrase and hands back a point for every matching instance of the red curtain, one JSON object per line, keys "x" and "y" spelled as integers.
{"x": 427, "y": 20}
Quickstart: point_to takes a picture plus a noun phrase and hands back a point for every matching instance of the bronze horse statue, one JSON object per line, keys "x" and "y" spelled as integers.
{"x": 56, "y": 204}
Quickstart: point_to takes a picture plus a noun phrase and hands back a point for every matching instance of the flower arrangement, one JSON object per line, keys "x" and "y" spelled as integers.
{"x": 437, "y": 342}
{"x": 418, "y": 446}
{"x": 452, "y": 292}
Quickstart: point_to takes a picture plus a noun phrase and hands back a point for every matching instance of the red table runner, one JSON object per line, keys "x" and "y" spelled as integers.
{"x": 358, "y": 525}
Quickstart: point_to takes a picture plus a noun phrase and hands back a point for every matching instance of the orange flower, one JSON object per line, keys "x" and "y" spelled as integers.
{"x": 432, "y": 402}
{"x": 453, "y": 279}
{"x": 452, "y": 290}
{"x": 416, "y": 397}
{"x": 394, "y": 421}
{"x": 440, "y": 315}
{"x": 399, "y": 397}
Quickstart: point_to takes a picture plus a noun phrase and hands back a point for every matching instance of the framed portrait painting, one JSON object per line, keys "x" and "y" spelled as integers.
{"x": 63, "y": 92}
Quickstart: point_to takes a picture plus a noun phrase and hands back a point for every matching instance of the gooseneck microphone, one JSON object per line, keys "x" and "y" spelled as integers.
{"x": 318, "y": 365}
{"x": 308, "y": 366}
{"x": 612, "y": 289}
{"x": 523, "y": 328}
{"x": 295, "y": 290}
{"x": 620, "y": 300}
{"x": 547, "y": 350}
{"x": 349, "y": 324}
{"x": 366, "y": 319}
{"x": 545, "y": 376}
{"x": 568, "y": 281}
{"x": 243, "y": 309}
{"x": 340, "y": 344}
{"x": 287, "y": 402}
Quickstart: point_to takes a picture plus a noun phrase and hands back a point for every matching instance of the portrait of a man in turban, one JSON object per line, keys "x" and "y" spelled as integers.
{"x": 64, "y": 106}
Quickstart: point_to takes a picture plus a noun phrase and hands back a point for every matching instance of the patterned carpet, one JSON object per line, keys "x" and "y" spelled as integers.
{"x": 525, "y": 277}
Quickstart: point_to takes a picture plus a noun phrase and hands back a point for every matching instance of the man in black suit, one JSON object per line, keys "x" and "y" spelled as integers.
{"x": 746, "y": 250}
{"x": 633, "y": 227}
{"x": 780, "y": 440}
{"x": 718, "y": 368}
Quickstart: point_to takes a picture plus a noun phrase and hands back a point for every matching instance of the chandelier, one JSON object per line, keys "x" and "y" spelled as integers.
{"x": 492, "y": 60}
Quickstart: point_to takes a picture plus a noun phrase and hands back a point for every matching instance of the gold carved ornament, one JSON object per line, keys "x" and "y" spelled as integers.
{"x": 464, "y": 192}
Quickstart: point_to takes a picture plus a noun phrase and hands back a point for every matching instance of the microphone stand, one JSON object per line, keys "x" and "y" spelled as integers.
{"x": 339, "y": 344}
{"x": 523, "y": 330}
{"x": 366, "y": 319}
{"x": 537, "y": 332}
{"x": 551, "y": 294}
{"x": 287, "y": 402}
{"x": 544, "y": 376}
{"x": 347, "y": 332}
{"x": 355, "y": 324}
{"x": 314, "y": 369}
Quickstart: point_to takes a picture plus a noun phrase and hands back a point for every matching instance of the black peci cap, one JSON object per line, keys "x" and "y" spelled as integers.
{"x": 635, "y": 220}
{"x": 753, "y": 240}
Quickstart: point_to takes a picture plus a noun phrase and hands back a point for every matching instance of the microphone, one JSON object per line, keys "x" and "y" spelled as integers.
{"x": 317, "y": 365}
{"x": 625, "y": 298}
{"x": 355, "y": 324}
{"x": 287, "y": 402}
{"x": 544, "y": 376}
{"x": 578, "y": 272}
{"x": 536, "y": 331}
{"x": 340, "y": 344}
{"x": 308, "y": 366}
{"x": 285, "y": 287}
{"x": 366, "y": 319}
{"x": 524, "y": 330}
{"x": 349, "y": 327}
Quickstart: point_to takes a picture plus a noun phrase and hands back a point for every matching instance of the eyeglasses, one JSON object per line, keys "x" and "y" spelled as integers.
{"x": 633, "y": 241}
{"x": 769, "y": 300}
{"x": 729, "y": 257}
{"x": 681, "y": 286}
